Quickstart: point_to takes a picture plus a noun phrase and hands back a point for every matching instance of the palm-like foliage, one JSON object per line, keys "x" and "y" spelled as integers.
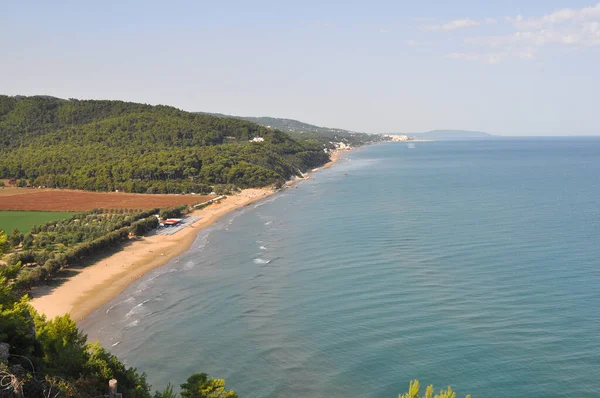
{"x": 414, "y": 389}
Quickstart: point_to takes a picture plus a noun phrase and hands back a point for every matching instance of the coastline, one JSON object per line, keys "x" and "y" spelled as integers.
{"x": 95, "y": 285}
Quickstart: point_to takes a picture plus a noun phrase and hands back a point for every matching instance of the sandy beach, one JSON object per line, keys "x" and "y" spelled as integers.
{"x": 335, "y": 156}
{"x": 92, "y": 286}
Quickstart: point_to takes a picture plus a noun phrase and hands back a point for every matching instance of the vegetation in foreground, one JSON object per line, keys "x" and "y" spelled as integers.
{"x": 414, "y": 391}
{"x": 24, "y": 220}
{"x": 42, "y": 358}
{"x": 110, "y": 145}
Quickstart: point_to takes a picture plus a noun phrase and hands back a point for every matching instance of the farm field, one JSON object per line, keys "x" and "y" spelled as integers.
{"x": 24, "y": 220}
{"x": 71, "y": 200}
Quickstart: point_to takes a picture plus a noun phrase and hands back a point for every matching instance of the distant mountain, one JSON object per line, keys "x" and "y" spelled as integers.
{"x": 452, "y": 135}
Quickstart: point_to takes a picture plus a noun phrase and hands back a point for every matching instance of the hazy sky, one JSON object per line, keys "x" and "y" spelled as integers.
{"x": 505, "y": 67}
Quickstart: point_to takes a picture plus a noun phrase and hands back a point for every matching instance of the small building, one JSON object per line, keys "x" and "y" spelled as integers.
{"x": 170, "y": 222}
{"x": 257, "y": 139}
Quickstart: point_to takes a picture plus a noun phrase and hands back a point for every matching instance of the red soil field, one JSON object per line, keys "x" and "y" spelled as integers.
{"x": 67, "y": 200}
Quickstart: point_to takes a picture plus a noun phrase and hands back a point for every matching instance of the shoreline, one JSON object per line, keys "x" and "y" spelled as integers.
{"x": 97, "y": 284}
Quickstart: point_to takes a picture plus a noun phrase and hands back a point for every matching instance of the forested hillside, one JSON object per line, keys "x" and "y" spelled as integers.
{"x": 304, "y": 131}
{"x": 108, "y": 145}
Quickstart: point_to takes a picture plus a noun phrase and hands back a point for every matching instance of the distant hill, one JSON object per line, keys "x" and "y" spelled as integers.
{"x": 451, "y": 135}
{"x": 109, "y": 145}
{"x": 301, "y": 130}
{"x": 295, "y": 126}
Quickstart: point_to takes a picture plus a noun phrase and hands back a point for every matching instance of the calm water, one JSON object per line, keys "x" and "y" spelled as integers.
{"x": 475, "y": 264}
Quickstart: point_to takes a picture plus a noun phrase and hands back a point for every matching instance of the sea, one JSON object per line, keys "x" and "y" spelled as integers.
{"x": 471, "y": 264}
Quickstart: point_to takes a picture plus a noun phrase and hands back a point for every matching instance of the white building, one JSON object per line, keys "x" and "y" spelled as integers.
{"x": 397, "y": 138}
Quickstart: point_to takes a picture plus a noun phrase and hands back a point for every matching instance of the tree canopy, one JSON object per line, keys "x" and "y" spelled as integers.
{"x": 200, "y": 385}
{"x": 108, "y": 145}
{"x": 4, "y": 244}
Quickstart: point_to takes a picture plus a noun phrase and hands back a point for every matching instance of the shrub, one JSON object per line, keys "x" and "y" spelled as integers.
{"x": 140, "y": 227}
{"x": 10, "y": 271}
{"x": 52, "y": 267}
{"x": 173, "y": 212}
{"x": 24, "y": 257}
{"x": 29, "y": 277}
{"x": 15, "y": 237}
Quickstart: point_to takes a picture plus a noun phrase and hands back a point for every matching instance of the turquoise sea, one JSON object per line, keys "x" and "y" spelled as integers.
{"x": 474, "y": 264}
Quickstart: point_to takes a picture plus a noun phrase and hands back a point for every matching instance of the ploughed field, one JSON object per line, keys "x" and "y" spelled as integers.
{"x": 70, "y": 200}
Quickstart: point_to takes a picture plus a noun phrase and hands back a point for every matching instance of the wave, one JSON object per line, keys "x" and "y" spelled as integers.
{"x": 264, "y": 202}
{"x": 202, "y": 242}
{"x": 129, "y": 299}
{"x": 132, "y": 324}
{"x": 147, "y": 283}
{"x": 260, "y": 260}
{"x": 138, "y": 309}
{"x": 235, "y": 214}
{"x": 269, "y": 223}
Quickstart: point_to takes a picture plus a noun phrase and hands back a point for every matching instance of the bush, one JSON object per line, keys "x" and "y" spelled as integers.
{"x": 10, "y": 271}
{"x": 29, "y": 277}
{"x": 52, "y": 267}
{"x": 173, "y": 212}
{"x": 140, "y": 227}
{"x": 27, "y": 241}
{"x": 24, "y": 257}
{"x": 15, "y": 238}
{"x": 41, "y": 257}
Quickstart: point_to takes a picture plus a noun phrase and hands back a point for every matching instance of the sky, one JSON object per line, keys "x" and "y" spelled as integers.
{"x": 504, "y": 67}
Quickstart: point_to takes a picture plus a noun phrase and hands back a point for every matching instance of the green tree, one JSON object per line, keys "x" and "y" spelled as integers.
{"x": 107, "y": 145}
{"x": 16, "y": 322}
{"x": 414, "y": 387}
{"x": 64, "y": 346}
{"x": 27, "y": 241}
{"x": 199, "y": 385}
{"x": 166, "y": 393}
{"x": 103, "y": 366}
{"x": 4, "y": 245}
{"x": 65, "y": 365}
{"x": 15, "y": 237}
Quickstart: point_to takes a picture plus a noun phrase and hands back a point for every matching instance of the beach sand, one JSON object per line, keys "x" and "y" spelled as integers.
{"x": 335, "y": 156}
{"x": 93, "y": 286}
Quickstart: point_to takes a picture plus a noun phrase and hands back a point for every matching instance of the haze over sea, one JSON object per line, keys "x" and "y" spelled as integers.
{"x": 471, "y": 263}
